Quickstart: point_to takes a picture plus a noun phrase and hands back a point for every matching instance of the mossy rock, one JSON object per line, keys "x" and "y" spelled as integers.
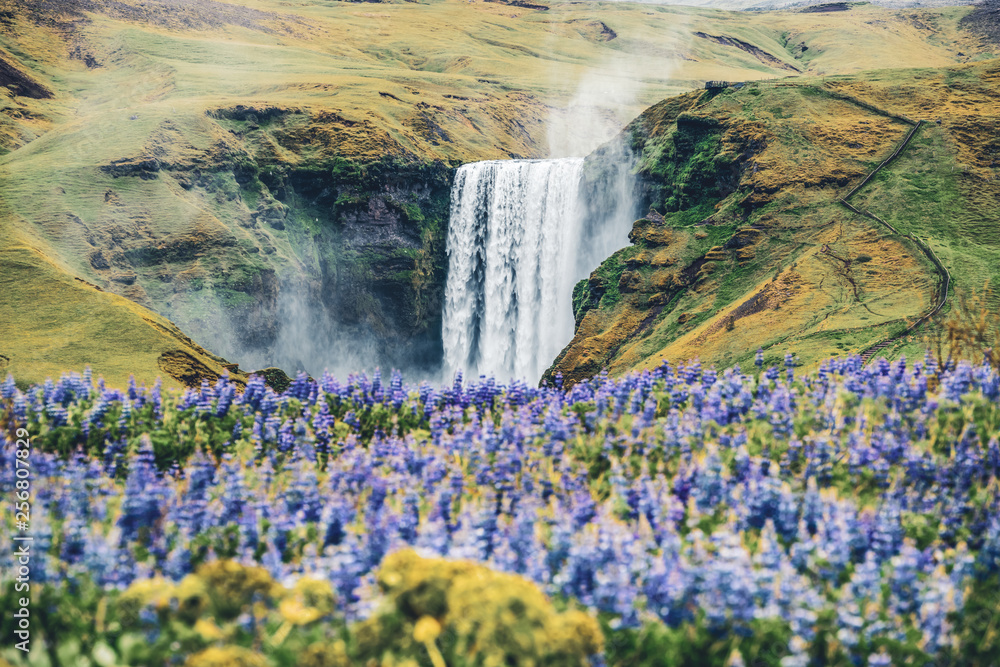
{"x": 275, "y": 378}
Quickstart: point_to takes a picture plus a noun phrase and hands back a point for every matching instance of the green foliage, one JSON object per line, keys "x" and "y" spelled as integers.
{"x": 200, "y": 617}
{"x": 177, "y": 437}
{"x": 181, "y": 433}
{"x": 155, "y": 621}
{"x": 691, "y": 645}
{"x": 921, "y": 528}
{"x": 231, "y": 586}
{"x": 977, "y": 627}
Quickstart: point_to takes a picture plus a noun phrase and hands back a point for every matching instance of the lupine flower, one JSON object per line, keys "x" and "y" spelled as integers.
{"x": 720, "y": 508}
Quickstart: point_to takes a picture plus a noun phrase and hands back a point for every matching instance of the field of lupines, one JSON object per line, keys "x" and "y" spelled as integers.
{"x": 676, "y": 517}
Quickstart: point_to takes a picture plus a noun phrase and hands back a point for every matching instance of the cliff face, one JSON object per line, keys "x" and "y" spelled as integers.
{"x": 317, "y": 254}
{"x": 266, "y": 251}
{"x": 369, "y": 247}
{"x": 746, "y": 243}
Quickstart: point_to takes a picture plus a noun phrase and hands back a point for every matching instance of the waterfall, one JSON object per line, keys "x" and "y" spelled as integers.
{"x": 513, "y": 258}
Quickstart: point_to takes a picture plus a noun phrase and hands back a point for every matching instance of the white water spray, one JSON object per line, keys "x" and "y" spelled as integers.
{"x": 513, "y": 245}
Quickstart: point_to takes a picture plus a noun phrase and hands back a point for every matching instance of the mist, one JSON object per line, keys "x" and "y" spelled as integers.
{"x": 611, "y": 202}
{"x": 307, "y": 336}
{"x": 604, "y": 102}
{"x": 591, "y": 124}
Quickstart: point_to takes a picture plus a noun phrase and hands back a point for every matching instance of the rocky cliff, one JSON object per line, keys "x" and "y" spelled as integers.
{"x": 322, "y": 262}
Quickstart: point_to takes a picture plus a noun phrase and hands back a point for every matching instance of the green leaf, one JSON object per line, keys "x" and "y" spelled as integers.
{"x": 69, "y": 653}
{"x": 104, "y": 655}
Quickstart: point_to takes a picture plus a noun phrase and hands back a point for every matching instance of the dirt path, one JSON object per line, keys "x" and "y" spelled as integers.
{"x": 847, "y": 275}
{"x": 945, "y": 278}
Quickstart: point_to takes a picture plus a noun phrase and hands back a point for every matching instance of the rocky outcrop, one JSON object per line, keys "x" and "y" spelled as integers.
{"x": 20, "y": 83}
{"x": 755, "y": 51}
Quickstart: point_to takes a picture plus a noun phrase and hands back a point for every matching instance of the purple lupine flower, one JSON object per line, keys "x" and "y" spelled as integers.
{"x": 145, "y": 495}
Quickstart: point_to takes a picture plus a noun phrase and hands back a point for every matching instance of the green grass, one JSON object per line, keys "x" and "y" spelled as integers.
{"x": 921, "y": 194}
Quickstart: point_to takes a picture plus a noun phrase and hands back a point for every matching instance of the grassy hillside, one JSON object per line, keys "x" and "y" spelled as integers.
{"x": 747, "y": 244}
{"x": 53, "y": 321}
{"x": 219, "y": 163}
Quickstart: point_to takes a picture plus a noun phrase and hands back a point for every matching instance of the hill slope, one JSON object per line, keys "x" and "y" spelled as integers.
{"x": 53, "y": 322}
{"x": 273, "y": 176}
{"x": 754, "y": 247}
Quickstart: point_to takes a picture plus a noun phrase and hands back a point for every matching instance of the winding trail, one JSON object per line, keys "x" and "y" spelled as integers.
{"x": 944, "y": 283}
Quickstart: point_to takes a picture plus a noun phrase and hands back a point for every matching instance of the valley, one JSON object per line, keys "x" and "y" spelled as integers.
{"x": 274, "y": 178}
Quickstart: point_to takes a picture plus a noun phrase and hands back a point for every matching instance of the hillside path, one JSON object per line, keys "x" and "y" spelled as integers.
{"x": 944, "y": 282}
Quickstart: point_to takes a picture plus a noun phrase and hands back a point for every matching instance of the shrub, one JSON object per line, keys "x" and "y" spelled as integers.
{"x": 232, "y": 586}
{"x": 227, "y": 656}
{"x": 325, "y": 654}
{"x": 205, "y": 608}
{"x": 480, "y": 617}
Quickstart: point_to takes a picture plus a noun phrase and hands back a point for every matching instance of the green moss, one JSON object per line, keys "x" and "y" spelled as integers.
{"x": 690, "y": 216}
{"x": 343, "y": 169}
{"x": 412, "y": 212}
{"x": 921, "y": 528}
{"x": 250, "y": 193}
{"x": 233, "y": 299}
{"x": 347, "y": 199}
{"x": 609, "y": 273}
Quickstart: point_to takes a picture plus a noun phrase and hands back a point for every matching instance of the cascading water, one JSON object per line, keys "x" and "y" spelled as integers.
{"x": 513, "y": 258}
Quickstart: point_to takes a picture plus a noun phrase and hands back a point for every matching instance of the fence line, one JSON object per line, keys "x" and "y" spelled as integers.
{"x": 889, "y": 159}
